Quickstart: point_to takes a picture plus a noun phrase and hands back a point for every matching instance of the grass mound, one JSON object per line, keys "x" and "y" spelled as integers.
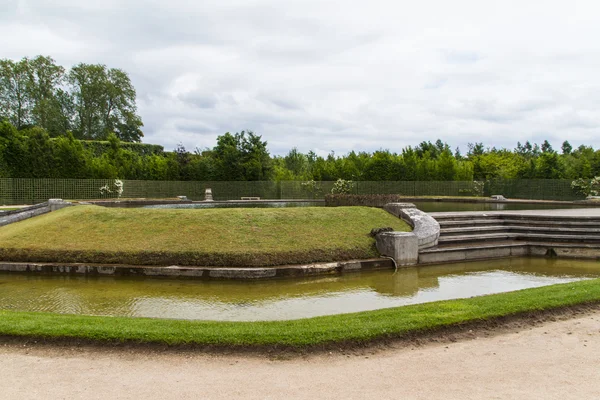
{"x": 216, "y": 237}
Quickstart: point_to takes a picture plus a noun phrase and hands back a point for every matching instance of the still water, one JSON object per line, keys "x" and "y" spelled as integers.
{"x": 237, "y": 204}
{"x": 282, "y": 299}
{"x": 427, "y": 206}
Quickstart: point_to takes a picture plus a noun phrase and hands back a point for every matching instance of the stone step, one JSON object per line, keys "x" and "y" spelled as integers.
{"x": 483, "y": 251}
{"x": 495, "y": 243}
{"x": 543, "y": 222}
{"x": 467, "y": 217}
{"x": 477, "y": 238}
{"x": 466, "y": 230}
{"x": 471, "y": 222}
{"x": 564, "y": 230}
{"x": 458, "y": 253}
{"x": 523, "y": 236}
{"x": 505, "y": 243}
{"x": 565, "y": 223}
{"x": 555, "y": 214}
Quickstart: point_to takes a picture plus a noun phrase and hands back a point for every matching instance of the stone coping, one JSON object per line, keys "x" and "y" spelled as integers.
{"x": 24, "y": 209}
{"x": 425, "y": 227}
{"x": 33, "y": 211}
{"x": 223, "y": 273}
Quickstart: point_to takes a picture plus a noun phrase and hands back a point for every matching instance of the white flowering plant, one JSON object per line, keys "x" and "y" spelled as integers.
{"x": 478, "y": 187}
{"x": 587, "y": 187}
{"x": 116, "y": 187}
{"x": 342, "y": 186}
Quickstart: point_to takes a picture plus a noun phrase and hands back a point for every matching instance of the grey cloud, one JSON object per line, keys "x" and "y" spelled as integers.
{"x": 199, "y": 100}
{"x": 194, "y": 127}
{"x": 331, "y": 74}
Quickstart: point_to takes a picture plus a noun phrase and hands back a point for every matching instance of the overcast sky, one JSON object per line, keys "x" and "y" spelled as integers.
{"x": 335, "y": 75}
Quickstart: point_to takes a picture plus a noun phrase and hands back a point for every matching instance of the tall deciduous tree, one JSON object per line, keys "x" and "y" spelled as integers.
{"x": 104, "y": 103}
{"x": 15, "y": 102}
{"x": 243, "y": 156}
{"x": 31, "y": 94}
{"x": 47, "y": 97}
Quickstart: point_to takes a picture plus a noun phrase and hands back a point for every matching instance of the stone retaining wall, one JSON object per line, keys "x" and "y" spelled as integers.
{"x": 334, "y": 268}
{"x": 424, "y": 226}
{"x": 10, "y": 217}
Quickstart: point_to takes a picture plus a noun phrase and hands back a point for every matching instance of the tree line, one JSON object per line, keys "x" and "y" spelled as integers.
{"x": 83, "y": 123}
{"x": 89, "y": 100}
{"x": 33, "y": 152}
{"x": 437, "y": 162}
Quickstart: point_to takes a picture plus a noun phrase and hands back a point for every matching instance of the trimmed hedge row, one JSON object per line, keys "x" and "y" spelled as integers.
{"x": 365, "y": 200}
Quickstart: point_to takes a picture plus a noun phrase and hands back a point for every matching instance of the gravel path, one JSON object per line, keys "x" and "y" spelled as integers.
{"x": 555, "y": 360}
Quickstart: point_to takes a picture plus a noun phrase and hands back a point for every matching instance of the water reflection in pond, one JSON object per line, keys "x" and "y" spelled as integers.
{"x": 427, "y": 206}
{"x": 238, "y": 204}
{"x": 282, "y": 299}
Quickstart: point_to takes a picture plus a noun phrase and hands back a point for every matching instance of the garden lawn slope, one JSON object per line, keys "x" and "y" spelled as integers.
{"x": 217, "y": 237}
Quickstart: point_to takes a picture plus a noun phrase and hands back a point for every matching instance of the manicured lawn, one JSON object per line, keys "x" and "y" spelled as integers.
{"x": 357, "y": 327}
{"x": 218, "y": 237}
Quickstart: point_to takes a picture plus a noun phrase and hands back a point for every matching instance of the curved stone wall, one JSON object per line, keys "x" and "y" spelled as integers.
{"x": 424, "y": 226}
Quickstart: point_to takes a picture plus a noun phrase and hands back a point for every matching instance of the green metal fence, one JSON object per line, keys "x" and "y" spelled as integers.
{"x": 32, "y": 191}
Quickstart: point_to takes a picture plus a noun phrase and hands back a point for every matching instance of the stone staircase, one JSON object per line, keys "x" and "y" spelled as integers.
{"x": 473, "y": 236}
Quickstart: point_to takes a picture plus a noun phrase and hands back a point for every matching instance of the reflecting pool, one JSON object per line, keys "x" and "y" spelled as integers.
{"x": 282, "y": 299}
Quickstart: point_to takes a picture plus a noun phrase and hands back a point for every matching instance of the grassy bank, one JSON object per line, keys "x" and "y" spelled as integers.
{"x": 215, "y": 237}
{"x": 356, "y": 327}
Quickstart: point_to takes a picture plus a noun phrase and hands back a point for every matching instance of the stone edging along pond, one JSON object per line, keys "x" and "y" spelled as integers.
{"x": 9, "y": 217}
{"x": 176, "y": 271}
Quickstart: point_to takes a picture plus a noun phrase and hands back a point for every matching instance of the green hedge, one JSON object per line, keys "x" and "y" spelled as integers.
{"x": 99, "y": 147}
{"x": 31, "y": 191}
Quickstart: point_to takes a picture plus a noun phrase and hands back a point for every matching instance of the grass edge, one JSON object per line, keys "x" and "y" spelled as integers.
{"x": 356, "y": 328}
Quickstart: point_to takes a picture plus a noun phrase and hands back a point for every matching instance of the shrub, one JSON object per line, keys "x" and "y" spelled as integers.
{"x": 342, "y": 186}
{"x": 367, "y": 200}
{"x": 587, "y": 187}
{"x": 313, "y": 188}
{"x": 116, "y": 187}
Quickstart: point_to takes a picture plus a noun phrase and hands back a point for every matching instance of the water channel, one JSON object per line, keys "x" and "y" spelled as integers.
{"x": 427, "y": 206}
{"x": 282, "y": 299}
{"x": 238, "y": 204}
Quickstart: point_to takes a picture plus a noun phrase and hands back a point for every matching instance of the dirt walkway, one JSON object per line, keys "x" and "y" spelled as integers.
{"x": 557, "y": 360}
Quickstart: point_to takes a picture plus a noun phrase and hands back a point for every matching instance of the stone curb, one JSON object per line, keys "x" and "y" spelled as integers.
{"x": 175, "y": 271}
{"x": 29, "y": 212}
